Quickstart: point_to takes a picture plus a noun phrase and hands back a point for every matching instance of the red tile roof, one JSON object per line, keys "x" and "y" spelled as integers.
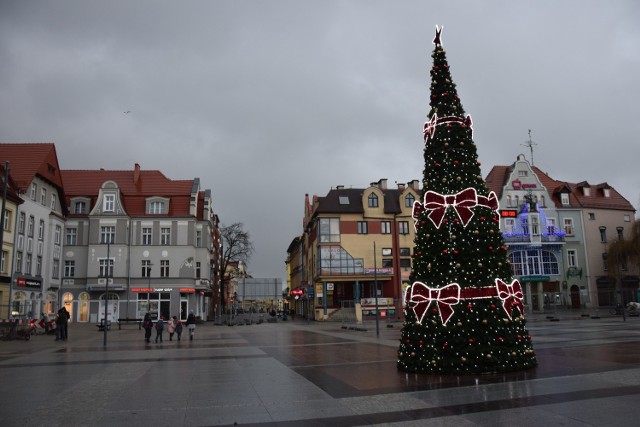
{"x": 498, "y": 176}
{"x": 28, "y": 160}
{"x": 87, "y": 183}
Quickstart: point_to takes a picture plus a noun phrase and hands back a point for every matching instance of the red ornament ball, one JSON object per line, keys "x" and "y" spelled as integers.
{"x": 445, "y": 345}
{"x": 421, "y": 342}
{"x": 471, "y": 340}
{"x": 500, "y": 339}
{"x": 470, "y": 306}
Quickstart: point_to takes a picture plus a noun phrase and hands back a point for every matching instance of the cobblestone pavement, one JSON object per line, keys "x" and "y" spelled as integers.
{"x": 300, "y": 373}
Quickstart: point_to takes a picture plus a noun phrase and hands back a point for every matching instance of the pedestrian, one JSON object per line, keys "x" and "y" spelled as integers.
{"x": 191, "y": 324}
{"x": 171, "y": 328}
{"x": 65, "y": 325}
{"x": 178, "y": 324}
{"x": 147, "y": 324}
{"x": 159, "y": 329}
{"x": 60, "y": 320}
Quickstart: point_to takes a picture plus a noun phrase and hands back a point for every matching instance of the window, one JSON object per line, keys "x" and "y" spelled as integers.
{"x": 20, "y": 242}
{"x": 543, "y": 203}
{"x": 568, "y": 226}
{"x": 146, "y": 268}
{"x": 551, "y": 225}
{"x": 103, "y": 267}
{"x": 7, "y": 220}
{"x": 509, "y": 225}
{"x": 627, "y": 218}
{"x": 605, "y": 263}
{"x": 27, "y": 264}
{"x": 18, "y": 262}
{"x": 522, "y": 174}
{"x": 564, "y": 199}
{"x": 165, "y": 236}
{"x": 572, "y": 258}
{"x": 5, "y": 255}
{"x": 55, "y": 273}
{"x": 373, "y": 200}
{"x": 607, "y": 192}
{"x": 53, "y": 202}
{"x": 408, "y": 200}
{"x": 603, "y": 234}
{"x": 57, "y": 235}
{"x": 405, "y": 252}
{"x": 69, "y": 269}
{"x": 386, "y": 251}
{"x": 43, "y": 196}
{"x": 156, "y": 207}
{"x": 535, "y": 228}
{"x": 343, "y": 200}
{"x": 41, "y": 230}
{"x": 386, "y": 227}
{"x": 109, "y": 203}
{"x": 21, "y": 221}
{"x": 80, "y": 208}
{"x": 31, "y": 226}
{"x": 533, "y": 262}
{"x": 592, "y": 216}
{"x": 146, "y": 235}
{"x": 387, "y": 262}
{"x": 362, "y": 227}
{"x": 335, "y": 260}
{"x": 71, "y": 237}
{"x": 403, "y": 227}
{"x": 620, "y": 231}
{"x": 198, "y": 239}
{"x": 34, "y": 190}
{"x": 405, "y": 263}
{"x": 329, "y": 230}
{"x": 198, "y": 265}
{"x": 107, "y": 234}
{"x": 164, "y": 268}
{"x": 38, "y": 266}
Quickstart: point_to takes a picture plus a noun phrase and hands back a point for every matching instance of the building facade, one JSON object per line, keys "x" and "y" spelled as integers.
{"x": 557, "y": 235}
{"x": 356, "y": 246}
{"x": 37, "y": 256}
{"x": 137, "y": 242}
{"x": 10, "y": 202}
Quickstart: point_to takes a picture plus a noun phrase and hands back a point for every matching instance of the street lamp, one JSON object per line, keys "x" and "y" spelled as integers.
{"x": 149, "y": 287}
{"x": 375, "y": 280}
{"x": 106, "y": 296}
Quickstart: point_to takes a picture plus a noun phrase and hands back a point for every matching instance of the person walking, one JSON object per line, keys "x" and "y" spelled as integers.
{"x": 191, "y": 324}
{"x": 147, "y": 324}
{"x": 171, "y": 328}
{"x": 65, "y": 325}
{"x": 178, "y": 324}
{"x": 60, "y": 320}
{"x": 159, "y": 329}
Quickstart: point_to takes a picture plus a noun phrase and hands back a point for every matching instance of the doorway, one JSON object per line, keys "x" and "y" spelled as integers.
{"x": 575, "y": 296}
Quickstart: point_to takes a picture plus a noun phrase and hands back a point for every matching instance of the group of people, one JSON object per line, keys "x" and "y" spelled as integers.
{"x": 173, "y": 326}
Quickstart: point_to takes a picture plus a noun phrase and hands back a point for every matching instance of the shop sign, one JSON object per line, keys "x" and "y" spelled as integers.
{"x": 378, "y": 271}
{"x": 188, "y": 290}
{"x": 141, "y": 289}
{"x": 535, "y": 278}
{"x": 23, "y": 282}
{"x": 162, "y": 289}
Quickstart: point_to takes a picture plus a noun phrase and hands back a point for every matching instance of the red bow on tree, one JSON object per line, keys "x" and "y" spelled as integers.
{"x": 489, "y": 202}
{"x": 421, "y": 296}
{"x": 461, "y": 202}
{"x": 511, "y": 296}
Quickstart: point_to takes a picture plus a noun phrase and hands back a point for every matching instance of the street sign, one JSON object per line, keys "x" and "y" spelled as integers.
{"x": 535, "y": 278}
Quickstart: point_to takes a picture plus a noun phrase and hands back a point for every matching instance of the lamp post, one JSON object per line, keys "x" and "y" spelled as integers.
{"x": 375, "y": 281}
{"x": 149, "y": 287}
{"x": 106, "y": 295}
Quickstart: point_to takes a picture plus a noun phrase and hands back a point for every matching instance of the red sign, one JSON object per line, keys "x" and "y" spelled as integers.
{"x": 297, "y": 292}
{"x": 508, "y": 213}
{"x": 141, "y": 289}
{"x": 188, "y": 290}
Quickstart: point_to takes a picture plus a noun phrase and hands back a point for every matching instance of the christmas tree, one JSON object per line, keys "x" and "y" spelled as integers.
{"x": 463, "y": 312}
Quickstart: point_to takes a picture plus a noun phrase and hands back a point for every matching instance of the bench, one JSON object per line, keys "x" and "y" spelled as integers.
{"x": 101, "y": 325}
{"x": 127, "y": 320}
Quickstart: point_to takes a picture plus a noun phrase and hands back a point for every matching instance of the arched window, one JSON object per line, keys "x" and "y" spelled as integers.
{"x": 373, "y": 200}
{"x": 83, "y": 307}
{"x": 19, "y": 303}
{"x": 67, "y": 300}
{"x": 408, "y": 200}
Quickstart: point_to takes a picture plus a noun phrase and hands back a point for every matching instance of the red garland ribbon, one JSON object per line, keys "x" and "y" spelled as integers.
{"x": 461, "y": 202}
{"x": 422, "y": 296}
{"x": 430, "y": 126}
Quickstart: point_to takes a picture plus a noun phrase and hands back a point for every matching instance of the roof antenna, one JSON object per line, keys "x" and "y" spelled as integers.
{"x": 530, "y": 144}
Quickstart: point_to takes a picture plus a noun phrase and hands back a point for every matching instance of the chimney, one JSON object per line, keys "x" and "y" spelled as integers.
{"x": 400, "y": 186}
{"x": 382, "y": 184}
{"x": 414, "y": 184}
{"x": 136, "y": 173}
{"x": 339, "y": 187}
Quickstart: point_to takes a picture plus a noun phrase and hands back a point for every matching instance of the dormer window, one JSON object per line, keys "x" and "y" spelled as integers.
{"x": 564, "y": 199}
{"x": 156, "y": 207}
{"x": 373, "y": 200}
{"x": 109, "y": 203}
{"x": 343, "y": 200}
{"x": 586, "y": 191}
{"x": 409, "y": 200}
{"x": 607, "y": 192}
{"x": 80, "y": 208}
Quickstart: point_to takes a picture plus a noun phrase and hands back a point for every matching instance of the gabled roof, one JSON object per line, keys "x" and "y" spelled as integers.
{"x": 497, "y": 179}
{"x": 331, "y": 202}
{"x": 28, "y": 160}
{"x": 135, "y": 187}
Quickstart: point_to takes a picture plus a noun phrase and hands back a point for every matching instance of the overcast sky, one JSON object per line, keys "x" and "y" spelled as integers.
{"x": 265, "y": 101}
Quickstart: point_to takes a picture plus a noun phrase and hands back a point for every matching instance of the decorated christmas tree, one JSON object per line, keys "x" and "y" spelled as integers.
{"x": 463, "y": 312}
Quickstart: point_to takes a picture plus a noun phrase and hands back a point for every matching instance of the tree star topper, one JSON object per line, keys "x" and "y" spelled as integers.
{"x": 436, "y": 39}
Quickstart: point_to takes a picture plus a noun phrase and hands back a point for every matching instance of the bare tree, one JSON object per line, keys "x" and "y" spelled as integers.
{"x": 236, "y": 246}
{"x": 622, "y": 251}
